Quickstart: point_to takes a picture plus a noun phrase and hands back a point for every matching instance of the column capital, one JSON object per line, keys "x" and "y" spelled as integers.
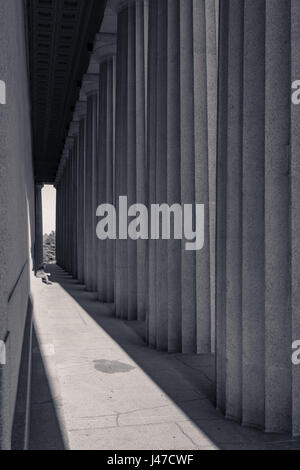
{"x": 62, "y": 164}
{"x": 105, "y": 47}
{"x": 110, "y": 20}
{"x": 80, "y": 110}
{"x": 90, "y": 84}
{"x": 64, "y": 159}
{"x": 82, "y": 97}
{"x": 74, "y": 129}
{"x": 119, "y": 5}
{"x": 69, "y": 143}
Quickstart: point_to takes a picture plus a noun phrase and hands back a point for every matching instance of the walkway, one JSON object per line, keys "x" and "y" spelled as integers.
{"x": 97, "y": 386}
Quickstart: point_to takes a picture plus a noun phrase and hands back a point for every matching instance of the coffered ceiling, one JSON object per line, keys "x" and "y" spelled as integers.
{"x": 60, "y": 39}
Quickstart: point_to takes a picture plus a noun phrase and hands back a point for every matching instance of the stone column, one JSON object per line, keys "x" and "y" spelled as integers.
{"x": 212, "y": 28}
{"x": 61, "y": 177}
{"x": 58, "y": 224}
{"x": 179, "y": 316}
{"x": 141, "y": 61}
{"x": 70, "y": 196}
{"x": 151, "y": 157}
{"x": 131, "y": 257}
{"x": 91, "y": 88}
{"x": 80, "y": 117}
{"x": 74, "y": 159}
{"x": 67, "y": 214}
{"x": 62, "y": 224}
{"x": 70, "y": 208}
{"x": 38, "y": 255}
{"x": 75, "y": 205}
{"x": 257, "y": 251}
{"x": 295, "y": 212}
{"x": 69, "y": 205}
{"x": 104, "y": 54}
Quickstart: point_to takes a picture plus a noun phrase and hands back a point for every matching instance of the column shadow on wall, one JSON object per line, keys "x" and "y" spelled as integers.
{"x": 189, "y": 380}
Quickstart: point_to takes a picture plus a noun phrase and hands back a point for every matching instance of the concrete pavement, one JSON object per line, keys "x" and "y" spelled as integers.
{"x": 97, "y": 386}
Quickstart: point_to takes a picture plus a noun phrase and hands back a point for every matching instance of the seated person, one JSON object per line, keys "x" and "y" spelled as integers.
{"x": 40, "y": 274}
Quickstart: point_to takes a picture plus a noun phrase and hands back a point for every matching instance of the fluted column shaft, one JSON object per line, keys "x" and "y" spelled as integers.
{"x": 131, "y": 257}
{"x": 90, "y": 254}
{"x": 63, "y": 185}
{"x": 295, "y": 212}
{"x": 60, "y": 247}
{"x": 81, "y": 197}
{"x": 76, "y": 198}
{"x": 58, "y": 225}
{"x": 106, "y": 163}
{"x": 179, "y": 316}
{"x": 257, "y": 252}
{"x": 72, "y": 208}
{"x": 141, "y": 64}
{"x": 70, "y": 186}
{"x": 68, "y": 216}
{"x": 212, "y": 29}
{"x": 38, "y": 227}
{"x": 65, "y": 222}
{"x": 105, "y": 64}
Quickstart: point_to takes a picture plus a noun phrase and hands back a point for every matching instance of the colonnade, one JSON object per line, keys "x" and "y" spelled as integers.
{"x": 182, "y": 36}
{"x": 147, "y": 128}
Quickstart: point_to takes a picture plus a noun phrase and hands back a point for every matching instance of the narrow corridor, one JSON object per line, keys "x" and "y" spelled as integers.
{"x": 100, "y": 387}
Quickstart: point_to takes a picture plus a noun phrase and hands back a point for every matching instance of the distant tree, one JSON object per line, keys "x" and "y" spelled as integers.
{"x": 49, "y": 248}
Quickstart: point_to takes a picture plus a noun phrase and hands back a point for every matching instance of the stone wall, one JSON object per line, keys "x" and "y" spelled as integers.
{"x": 16, "y": 209}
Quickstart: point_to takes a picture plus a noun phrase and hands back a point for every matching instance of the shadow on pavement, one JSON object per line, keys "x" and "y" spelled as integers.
{"x": 189, "y": 380}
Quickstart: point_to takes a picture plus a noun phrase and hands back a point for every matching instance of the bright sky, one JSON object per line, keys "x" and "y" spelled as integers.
{"x": 49, "y": 209}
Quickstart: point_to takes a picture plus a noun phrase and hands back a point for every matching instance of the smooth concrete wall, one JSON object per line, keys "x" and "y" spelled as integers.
{"x": 16, "y": 205}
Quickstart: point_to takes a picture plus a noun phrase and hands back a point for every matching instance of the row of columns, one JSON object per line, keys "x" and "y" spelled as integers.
{"x": 85, "y": 177}
{"x": 145, "y": 129}
{"x": 38, "y": 245}
{"x": 180, "y": 36}
{"x": 258, "y": 264}
{"x": 66, "y": 210}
